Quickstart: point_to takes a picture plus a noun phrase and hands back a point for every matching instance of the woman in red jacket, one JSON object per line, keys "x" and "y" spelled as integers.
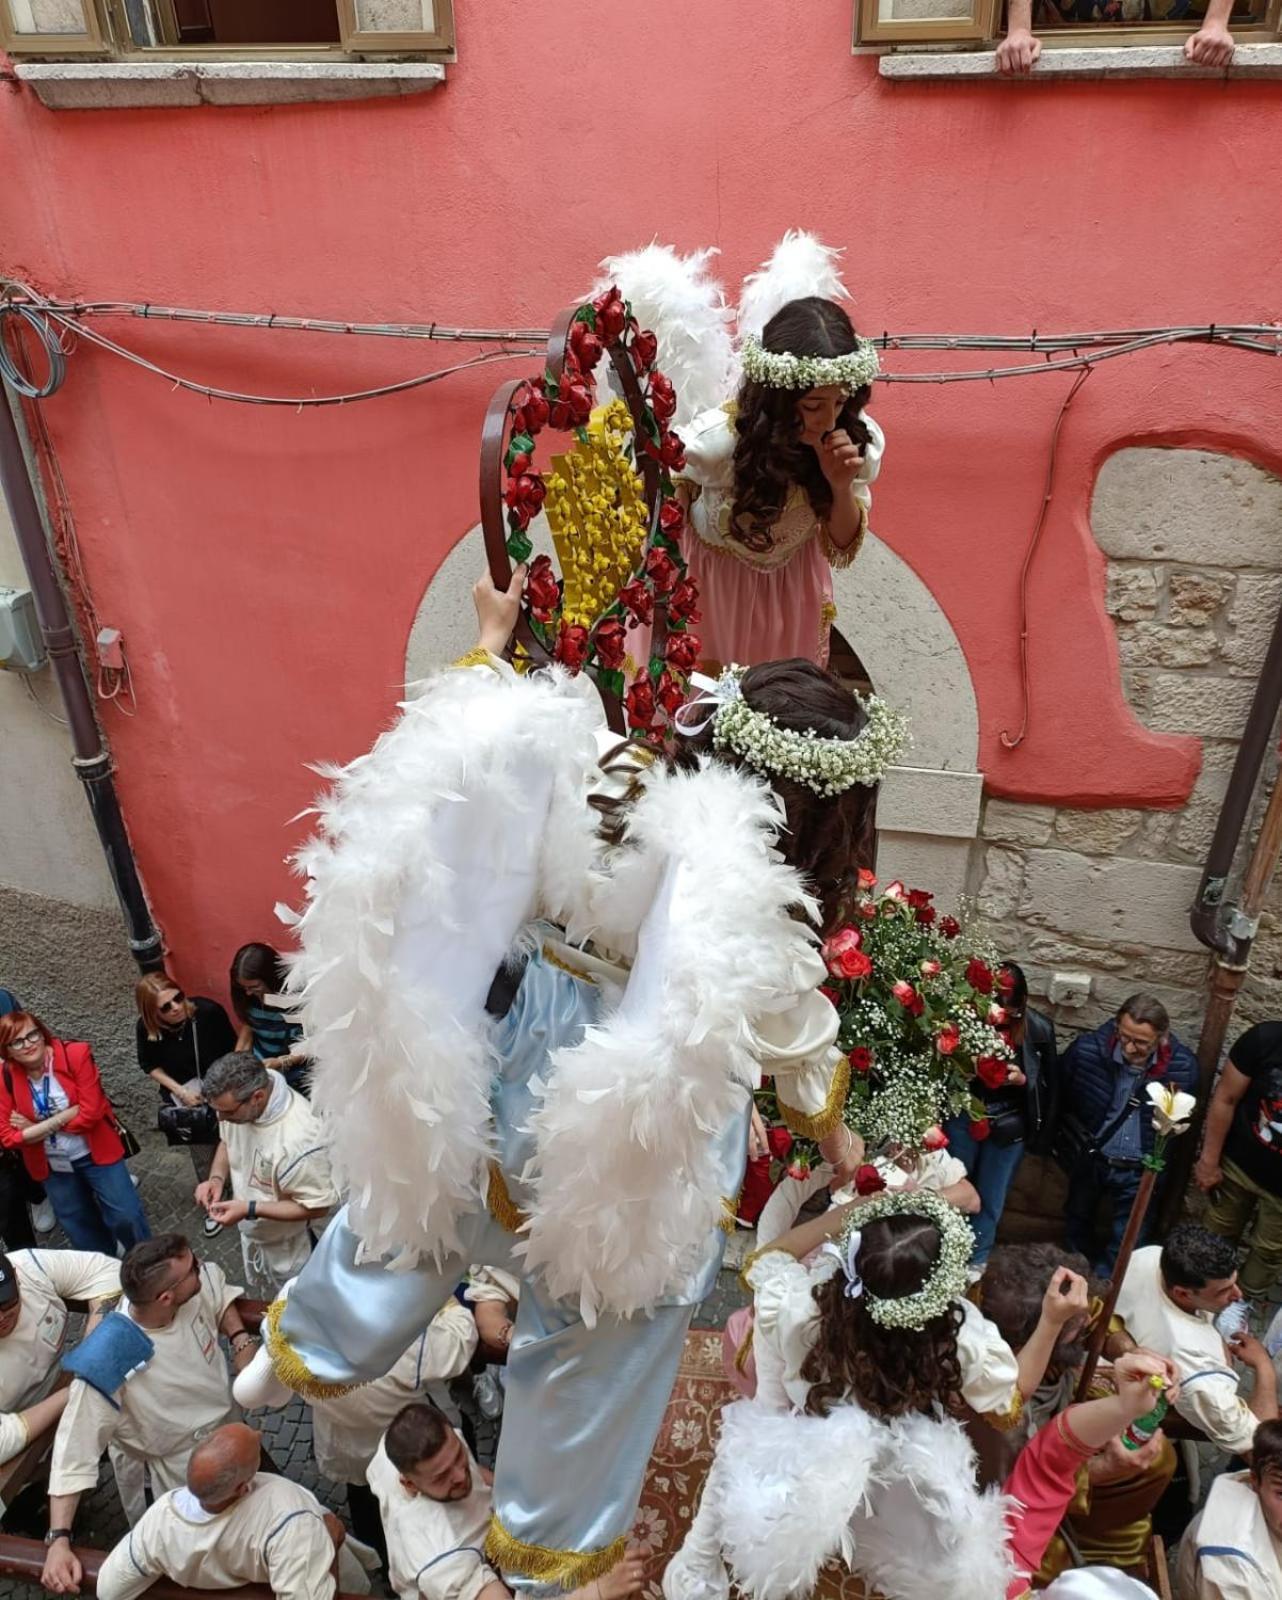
{"x": 55, "y": 1113}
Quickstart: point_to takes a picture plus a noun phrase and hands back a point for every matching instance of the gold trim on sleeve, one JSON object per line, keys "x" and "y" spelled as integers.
{"x": 750, "y": 1261}
{"x": 838, "y": 556}
{"x": 1005, "y": 1419}
{"x": 475, "y": 658}
{"x": 568, "y": 1569}
{"x": 819, "y": 1124}
{"x": 500, "y": 1204}
{"x": 290, "y": 1367}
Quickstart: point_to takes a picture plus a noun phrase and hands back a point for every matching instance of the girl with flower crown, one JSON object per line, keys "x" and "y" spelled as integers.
{"x": 540, "y": 978}
{"x": 867, "y": 1356}
{"x": 776, "y": 486}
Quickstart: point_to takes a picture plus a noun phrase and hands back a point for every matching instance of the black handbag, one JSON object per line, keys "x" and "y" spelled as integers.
{"x": 1076, "y": 1146}
{"x": 189, "y": 1124}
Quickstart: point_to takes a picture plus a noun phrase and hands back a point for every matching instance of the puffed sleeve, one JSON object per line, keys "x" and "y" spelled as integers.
{"x": 785, "y": 1320}
{"x": 709, "y": 449}
{"x": 797, "y": 1048}
{"x": 873, "y": 452}
{"x": 990, "y": 1373}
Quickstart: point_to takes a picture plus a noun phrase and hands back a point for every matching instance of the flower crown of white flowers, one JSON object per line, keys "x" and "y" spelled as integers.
{"x": 780, "y": 369}
{"x": 828, "y": 766}
{"x": 947, "y": 1280}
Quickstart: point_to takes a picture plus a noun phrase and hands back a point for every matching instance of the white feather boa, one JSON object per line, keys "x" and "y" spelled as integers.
{"x": 427, "y": 863}
{"x": 674, "y": 297}
{"x": 623, "y": 1198}
{"x": 895, "y": 1500}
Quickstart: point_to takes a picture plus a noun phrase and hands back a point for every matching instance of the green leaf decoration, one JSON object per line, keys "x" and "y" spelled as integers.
{"x": 518, "y": 546}
{"x": 611, "y": 681}
{"x": 520, "y": 444}
{"x": 656, "y": 668}
{"x": 587, "y": 313}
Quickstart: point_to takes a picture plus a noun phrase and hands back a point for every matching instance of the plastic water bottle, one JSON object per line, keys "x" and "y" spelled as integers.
{"x": 1143, "y": 1428}
{"x": 1233, "y": 1319}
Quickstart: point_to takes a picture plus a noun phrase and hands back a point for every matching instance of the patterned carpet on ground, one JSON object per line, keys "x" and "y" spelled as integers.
{"x": 682, "y": 1456}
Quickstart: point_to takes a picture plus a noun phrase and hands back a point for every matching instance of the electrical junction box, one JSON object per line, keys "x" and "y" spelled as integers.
{"x": 21, "y": 647}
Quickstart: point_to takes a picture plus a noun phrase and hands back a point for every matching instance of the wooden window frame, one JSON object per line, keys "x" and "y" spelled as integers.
{"x": 108, "y": 33}
{"x": 90, "y": 42}
{"x": 357, "y": 39}
{"x": 870, "y": 31}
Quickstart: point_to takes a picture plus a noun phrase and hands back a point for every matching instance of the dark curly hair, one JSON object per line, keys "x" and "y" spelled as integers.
{"x": 827, "y": 838}
{"x": 889, "y": 1371}
{"x": 1010, "y": 1295}
{"x": 769, "y": 457}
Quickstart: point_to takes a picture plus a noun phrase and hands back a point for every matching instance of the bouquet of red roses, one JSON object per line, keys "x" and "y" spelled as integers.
{"x": 919, "y": 1017}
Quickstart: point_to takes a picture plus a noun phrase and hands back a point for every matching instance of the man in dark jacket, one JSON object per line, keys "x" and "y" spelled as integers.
{"x": 1104, "y": 1077}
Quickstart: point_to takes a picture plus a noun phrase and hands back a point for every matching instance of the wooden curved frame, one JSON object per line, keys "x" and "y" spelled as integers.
{"x": 494, "y": 439}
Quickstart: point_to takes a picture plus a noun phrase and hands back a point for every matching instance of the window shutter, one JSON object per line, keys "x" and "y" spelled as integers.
{"x": 397, "y": 24}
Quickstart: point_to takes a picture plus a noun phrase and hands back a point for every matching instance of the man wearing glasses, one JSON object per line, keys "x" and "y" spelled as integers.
{"x": 151, "y": 1379}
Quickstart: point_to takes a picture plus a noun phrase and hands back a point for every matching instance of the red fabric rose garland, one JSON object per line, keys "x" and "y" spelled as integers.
{"x": 659, "y": 590}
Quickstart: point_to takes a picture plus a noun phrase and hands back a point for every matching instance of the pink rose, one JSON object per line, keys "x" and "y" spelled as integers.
{"x": 947, "y": 1039}
{"x": 930, "y": 969}
{"x": 935, "y": 1139}
{"x": 895, "y": 891}
{"x": 904, "y": 992}
{"x": 996, "y": 1015}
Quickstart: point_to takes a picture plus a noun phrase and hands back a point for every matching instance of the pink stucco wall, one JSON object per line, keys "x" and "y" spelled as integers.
{"x": 265, "y": 566}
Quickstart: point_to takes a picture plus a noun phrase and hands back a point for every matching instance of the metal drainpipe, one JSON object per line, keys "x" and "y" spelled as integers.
{"x": 92, "y": 759}
{"x": 1228, "y": 931}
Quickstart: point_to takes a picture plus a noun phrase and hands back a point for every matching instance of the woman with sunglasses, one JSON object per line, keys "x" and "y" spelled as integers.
{"x": 55, "y": 1113}
{"x": 179, "y": 1036}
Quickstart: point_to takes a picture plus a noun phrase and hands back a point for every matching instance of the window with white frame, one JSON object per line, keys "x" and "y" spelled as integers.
{"x": 981, "y": 23}
{"x": 173, "y": 28}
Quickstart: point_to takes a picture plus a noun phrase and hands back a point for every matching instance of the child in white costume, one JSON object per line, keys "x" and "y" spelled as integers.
{"x": 603, "y": 1107}
{"x": 859, "y": 1357}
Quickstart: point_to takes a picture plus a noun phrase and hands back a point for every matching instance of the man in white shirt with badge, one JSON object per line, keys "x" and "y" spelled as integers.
{"x": 1169, "y": 1300}
{"x": 436, "y": 1502}
{"x": 273, "y": 1149}
{"x": 231, "y": 1524}
{"x": 35, "y": 1286}
{"x": 151, "y": 1379}
{"x": 1233, "y": 1549}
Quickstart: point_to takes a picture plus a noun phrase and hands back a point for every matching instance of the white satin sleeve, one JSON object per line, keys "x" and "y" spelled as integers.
{"x": 785, "y": 1322}
{"x": 709, "y": 450}
{"x": 873, "y": 452}
{"x": 797, "y": 1047}
{"x": 990, "y": 1372}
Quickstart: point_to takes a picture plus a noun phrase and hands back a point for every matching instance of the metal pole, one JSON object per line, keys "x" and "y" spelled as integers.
{"x": 91, "y": 758}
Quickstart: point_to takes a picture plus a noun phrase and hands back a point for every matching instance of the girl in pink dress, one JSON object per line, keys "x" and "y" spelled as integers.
{"x": 776, "y": 487}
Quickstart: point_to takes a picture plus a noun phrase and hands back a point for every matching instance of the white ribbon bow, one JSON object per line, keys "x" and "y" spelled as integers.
{"x": 716, "y": 693}
{"x": 849, "y": 1262}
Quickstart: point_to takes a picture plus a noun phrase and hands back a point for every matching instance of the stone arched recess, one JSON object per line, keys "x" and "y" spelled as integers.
{"x": 928, "y": 810}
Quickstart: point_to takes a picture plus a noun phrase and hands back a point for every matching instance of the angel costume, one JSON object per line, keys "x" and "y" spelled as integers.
{"x": 767, "y": 605}
{"x": 580, "y": 1120}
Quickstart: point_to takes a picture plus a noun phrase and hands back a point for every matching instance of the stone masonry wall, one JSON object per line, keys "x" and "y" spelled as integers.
{"x": 1095, "y": 903}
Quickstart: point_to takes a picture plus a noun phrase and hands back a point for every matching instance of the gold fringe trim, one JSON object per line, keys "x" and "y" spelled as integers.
{"x": 750, "y": 1261}
{"x": 837, "y": 556}
{"x": 729, "y": 1208}
{"x": 500, "y": 1204}
{"x": 819, "y": 1124}
{"x": 290, "y": 1367}
{"x": 745, "y": 1348}
{"x": 1005, "y": 1419}
{"x": 554, "y": 960}
{"x": 475, "y": 658}
{"x": 568, "y": 1569}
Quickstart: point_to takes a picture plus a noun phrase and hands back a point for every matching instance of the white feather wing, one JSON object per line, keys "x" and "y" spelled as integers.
{"x": 426, "y": 864}
{"x": 801, "y": 265}
{"x": 675, "y": 297}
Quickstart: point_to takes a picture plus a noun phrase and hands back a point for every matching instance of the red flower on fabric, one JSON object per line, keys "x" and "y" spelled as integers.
{"x": 670, "y": 694}
{"x": 611, "y": 314}
{"x": 663, "y": 397}
{"x": 645, "y": 347}
{"x": 683, "y": 602}
{"x": 948, "y": 1038}
{"x": 980, "y": 1129}
{"x": 571, "y": 645}
{"x": 661, "y": 570}
{"x": 671, "y": 518}
{"x": 979, "y": 976}
{"x": 636, "y": 599}
{"x": 779, "y": 1143}
{"x": 935, "y": 1139}
{"x": 949, "y": 927}
{"x": 861, "y": 1059}
{"x": 672, "y": 452}
{"x": 682, "y": 652}
{"x": 991, "y": 1071}
{"x": 868, "y": 1180}
{"x": 542, "y": 591}
{"x": 611, "y": 642}
{"x": 639, "y": 704}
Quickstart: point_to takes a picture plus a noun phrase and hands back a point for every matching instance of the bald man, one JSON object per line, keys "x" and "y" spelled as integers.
{"x": 233, "y": 1524}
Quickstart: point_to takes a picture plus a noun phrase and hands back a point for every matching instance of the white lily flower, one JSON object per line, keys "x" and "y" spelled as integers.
{"x": 1172, "y": 1108}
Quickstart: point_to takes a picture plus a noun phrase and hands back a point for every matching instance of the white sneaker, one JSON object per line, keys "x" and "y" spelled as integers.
{"x": 211, "y": 1228}
{"x": 42, "y": 1217}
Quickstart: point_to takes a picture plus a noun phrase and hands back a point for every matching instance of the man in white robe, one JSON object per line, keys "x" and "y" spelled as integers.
{"x": 1233, "y": 1548}
{"x": 231, "y": 1524}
